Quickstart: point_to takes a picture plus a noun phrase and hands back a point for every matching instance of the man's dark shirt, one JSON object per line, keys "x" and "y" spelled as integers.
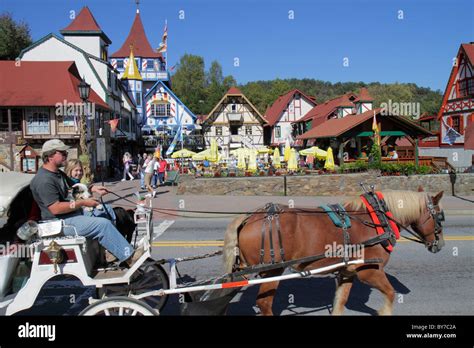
{"x": 50, "y": 187}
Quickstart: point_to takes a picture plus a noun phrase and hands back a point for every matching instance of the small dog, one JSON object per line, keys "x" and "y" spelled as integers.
{"x": 80, "y": 191}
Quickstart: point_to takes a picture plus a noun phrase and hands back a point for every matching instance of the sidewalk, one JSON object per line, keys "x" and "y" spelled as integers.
{"x": 166, "y": 198}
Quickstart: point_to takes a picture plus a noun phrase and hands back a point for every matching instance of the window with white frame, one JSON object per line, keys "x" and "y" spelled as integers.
{"x": 248, "y": 130}
{"x": 37, "y": 121}
{"x": 150, "y": 64}
{"x": 67, "y": 124}
{"x": 119, "y": 63}
{"x": 277, "y": 132}
{"x": 218, "y": 130}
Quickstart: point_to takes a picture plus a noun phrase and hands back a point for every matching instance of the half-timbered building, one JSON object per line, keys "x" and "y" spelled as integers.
{"x": 234, "y": 122}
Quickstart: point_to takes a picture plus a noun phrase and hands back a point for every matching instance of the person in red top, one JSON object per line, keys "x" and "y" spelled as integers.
{"x": 162, "y": 170}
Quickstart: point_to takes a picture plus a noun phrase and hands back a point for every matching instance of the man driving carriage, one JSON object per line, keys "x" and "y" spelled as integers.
{"x": 50, "y": 188}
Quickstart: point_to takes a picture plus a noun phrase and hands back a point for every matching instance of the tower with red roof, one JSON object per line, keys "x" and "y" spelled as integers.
{"x": 150, "y": 63}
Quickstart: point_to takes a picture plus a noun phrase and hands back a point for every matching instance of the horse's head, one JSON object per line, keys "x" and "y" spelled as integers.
{"x": 428, "y": 225}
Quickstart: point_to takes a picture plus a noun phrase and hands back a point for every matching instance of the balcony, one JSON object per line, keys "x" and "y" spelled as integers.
{"x": 235, "y": 139}
{"x": 235, "y": 117}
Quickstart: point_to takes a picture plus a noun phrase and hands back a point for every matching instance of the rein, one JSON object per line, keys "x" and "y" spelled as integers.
{"x": 417, "y": 238}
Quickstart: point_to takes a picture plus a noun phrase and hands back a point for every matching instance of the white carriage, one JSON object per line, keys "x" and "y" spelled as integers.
{"x": 26, "y": 267}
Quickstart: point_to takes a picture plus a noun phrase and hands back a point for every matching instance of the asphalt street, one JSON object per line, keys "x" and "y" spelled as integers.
{"x": 426, "y": 283}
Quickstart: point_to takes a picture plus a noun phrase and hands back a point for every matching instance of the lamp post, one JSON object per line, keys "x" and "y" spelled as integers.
{"x": 84, "y": 91}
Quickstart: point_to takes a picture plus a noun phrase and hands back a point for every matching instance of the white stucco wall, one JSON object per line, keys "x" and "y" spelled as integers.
{"x": 90, "y": 44}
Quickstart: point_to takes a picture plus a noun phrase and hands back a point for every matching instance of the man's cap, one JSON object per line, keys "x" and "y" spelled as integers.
{"x": 54, "y": 145}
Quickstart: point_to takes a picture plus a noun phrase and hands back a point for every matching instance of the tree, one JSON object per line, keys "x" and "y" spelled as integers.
{"x": 14, "y": 37}
{"x": 189, "y": 82}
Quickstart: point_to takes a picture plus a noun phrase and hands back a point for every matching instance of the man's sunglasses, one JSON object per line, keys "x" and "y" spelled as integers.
{"x": 64, "y": 153}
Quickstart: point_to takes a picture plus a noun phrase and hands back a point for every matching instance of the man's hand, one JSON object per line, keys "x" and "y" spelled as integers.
{"x": 90, "y": 202}
{"x": 101, "y": 190}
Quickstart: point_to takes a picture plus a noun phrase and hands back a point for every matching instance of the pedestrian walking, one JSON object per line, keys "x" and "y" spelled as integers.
{"x": 127, "y": 161}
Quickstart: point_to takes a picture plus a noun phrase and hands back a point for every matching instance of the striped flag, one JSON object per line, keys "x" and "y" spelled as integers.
{"x": 172, "y": 68}
{"x": 161, "y": 48}
{"x": 177, "y": 137}
{"x": 165, "y": 32}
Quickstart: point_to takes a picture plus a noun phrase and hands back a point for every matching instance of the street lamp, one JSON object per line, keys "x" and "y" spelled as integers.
{"x": 84, "y": 91}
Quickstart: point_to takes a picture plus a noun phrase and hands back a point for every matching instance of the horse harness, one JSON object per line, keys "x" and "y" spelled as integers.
{"x": 273, "y": 211}
{"x": 382, "y": 221}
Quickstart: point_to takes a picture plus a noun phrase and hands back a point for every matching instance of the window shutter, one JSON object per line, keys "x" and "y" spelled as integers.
{"x": 449, "y": 121}
{"x": 470, "y": 119}
{"x": 461, "y": 124}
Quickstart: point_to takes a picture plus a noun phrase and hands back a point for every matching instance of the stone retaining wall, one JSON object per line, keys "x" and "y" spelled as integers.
{"x": 321, "y": 185}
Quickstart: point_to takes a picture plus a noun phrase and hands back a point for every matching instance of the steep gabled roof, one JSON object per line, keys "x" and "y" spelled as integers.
{"x": 274, "y": 112}
{"x": 85, "y": 24}
{"x": 25, "y": 86}
{"x": 137, "y": 38}
{"x": 232, "y": 92}
{"x": 364, "y": 95}
{"x": 322, "y": 111}
{"x": 468, "y": 50}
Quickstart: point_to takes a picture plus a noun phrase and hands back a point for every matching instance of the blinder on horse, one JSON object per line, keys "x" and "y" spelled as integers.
{"x": 438, "y": 217}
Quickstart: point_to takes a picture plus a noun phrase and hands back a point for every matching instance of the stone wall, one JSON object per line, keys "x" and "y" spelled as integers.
{"x": 321, "y": 185}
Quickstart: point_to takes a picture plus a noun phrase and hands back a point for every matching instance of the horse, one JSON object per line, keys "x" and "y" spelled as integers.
{"x": 307, "y": 232}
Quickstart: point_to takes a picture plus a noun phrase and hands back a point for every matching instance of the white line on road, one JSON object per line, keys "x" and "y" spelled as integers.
{"x": 161, "y": 228}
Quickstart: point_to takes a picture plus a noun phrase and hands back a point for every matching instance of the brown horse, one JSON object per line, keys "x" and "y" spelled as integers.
{"x": 309, "y": 232}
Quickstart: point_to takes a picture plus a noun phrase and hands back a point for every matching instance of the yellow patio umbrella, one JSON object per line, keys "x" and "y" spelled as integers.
{"x": 287, "y": 151}
{"x": 214, "y": 151}
{"x": 314, "y": 151}
{"x": 252, "y": 160}
{"x": 329, "y": 164}
{"x": 264, "y": 150}
{"x": 183, "y": 153}
{"x": 276, "y": 158}
{"x": 240, "y": 160}
{"x": 292, "y": 164}
{"x": 203, "y": 155}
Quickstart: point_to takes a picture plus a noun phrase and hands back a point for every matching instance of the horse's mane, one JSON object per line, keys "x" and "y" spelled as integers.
{"x": 406, "y": 206}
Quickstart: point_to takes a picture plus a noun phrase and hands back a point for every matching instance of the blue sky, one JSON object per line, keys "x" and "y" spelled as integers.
{"x": 380, "y": 47}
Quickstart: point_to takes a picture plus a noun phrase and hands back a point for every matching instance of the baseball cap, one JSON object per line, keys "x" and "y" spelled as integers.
{"x": 54, "y": 145}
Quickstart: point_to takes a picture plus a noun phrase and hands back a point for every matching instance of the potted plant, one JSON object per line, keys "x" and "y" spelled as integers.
{"x": 232, "y": 174}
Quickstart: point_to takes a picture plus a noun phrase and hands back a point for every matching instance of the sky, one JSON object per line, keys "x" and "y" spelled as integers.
{"x": 338, "y": 41}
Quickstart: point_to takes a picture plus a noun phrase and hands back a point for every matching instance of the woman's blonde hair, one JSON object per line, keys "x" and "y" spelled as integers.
{"x": 71, "y": 164}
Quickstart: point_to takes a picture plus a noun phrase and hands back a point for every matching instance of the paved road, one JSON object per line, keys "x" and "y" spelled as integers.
{"x": 425, "y": 283}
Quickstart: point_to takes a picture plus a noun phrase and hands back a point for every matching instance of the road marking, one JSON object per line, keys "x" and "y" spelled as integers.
{"x": 161, "y": 228}
{"x": 218, "y": 243}
{"x": 188, "y": 243}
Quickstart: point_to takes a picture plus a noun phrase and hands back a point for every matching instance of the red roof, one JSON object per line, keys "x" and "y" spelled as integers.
{"x": 41, "y": 84}
{"x": 469, "y": 49}
{"x": 234, "y": 90}
{"x": 274, "y": 112}
{"x": 137, "y": 38}
{"x": 364, "y": 95}
{"x": 337, "y": 126}
{"x": 322, "y": 111}
{"x": 84, "y": 21}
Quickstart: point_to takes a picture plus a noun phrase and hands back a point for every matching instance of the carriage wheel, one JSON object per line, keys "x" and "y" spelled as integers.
{"x": 148, "y": 277}
{"x": 119, "y": 306}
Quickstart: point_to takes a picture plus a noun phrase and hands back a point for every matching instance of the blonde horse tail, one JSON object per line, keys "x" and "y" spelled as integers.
{"x": 231, "y": 241}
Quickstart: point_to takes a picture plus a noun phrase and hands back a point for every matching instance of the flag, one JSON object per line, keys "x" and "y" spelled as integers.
{"x": 451, "y": 134}
{"x": 113, "y": 124}
{"x": 161, "y": 48}
{"x": 165, "y": 32}
{"x": 376, "y": 130}
{"x": 172, "y": 68}
{"x": 177, "y": 137}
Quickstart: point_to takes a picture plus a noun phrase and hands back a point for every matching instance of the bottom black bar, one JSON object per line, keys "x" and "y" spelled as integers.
{"x": 294, "y": 331}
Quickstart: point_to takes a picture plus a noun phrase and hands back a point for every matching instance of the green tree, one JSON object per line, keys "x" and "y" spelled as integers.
{"x": 189, "y": 82}
{"x": 14, "y": 37}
